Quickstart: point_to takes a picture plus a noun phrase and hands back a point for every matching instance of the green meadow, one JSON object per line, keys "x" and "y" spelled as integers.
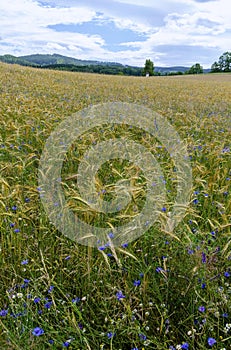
{"x": 161, "y": 291}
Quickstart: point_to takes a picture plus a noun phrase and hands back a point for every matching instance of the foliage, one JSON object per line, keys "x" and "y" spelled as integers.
{"x": 156, "y": 292}
{"x": 148, "y": 67}
{"x": 195, "y": 69}
{"x": 223, "y": 64}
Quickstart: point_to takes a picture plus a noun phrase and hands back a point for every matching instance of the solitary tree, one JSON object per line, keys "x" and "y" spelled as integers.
{"x": 196, "y": 69}
{"x": 148, "y": 67}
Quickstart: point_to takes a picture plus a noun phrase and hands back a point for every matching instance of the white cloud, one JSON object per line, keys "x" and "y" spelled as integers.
{"x": 25, "y": 28}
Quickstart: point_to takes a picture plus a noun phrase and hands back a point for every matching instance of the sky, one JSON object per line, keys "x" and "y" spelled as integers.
{"x": 169, "y": 32}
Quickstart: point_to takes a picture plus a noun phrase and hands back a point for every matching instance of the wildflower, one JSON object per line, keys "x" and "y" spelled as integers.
{"x": 67, "y": 257}
{"x": 37, "y": 300}
{"x": 3, "y": 313}
{"x": 37, "y": 331}
{"x": 125, "y": 245}
{"x": 159, "y": 269}
{"x": 185, "y": 346}
{"x": 203, "y": 258}
{"x": 48, "y": 305}
{"x": 76, "y": 300}
{"x": 201, "y": 308}
{"x": 24, "y": 262}
{"x": 14, "y": 208}
{"x": 119, "y": 295}
{"x": 142, "y": 336}
{"x": 164, "y": 209}
{"x": 195, "y": 201}
{"x": 51, "y": 341}
{"x": 17, "y": 230}
{"x": 111, "y": 235}
{"x": 12, "y": 224}
{"x": 110, "y": 335}
{"x": 227, "y": 274}
{"x": 211, "y": 341}
{"x": 66, "y": 344}
{"x": 50, "y": 289}
{"x": 136, "y": 283}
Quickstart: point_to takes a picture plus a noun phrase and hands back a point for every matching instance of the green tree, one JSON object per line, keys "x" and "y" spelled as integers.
{"x": 195, "y": 69}
{"x": 148, "y": 67}
{"x": 223, "y": 64}
{"x": 215, "y": 68}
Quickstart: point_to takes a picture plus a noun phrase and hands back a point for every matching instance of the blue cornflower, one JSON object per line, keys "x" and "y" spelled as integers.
{"x": 211, "y": 341}
{"x": 227, "y": 274}
{"x": 164, "y": 209}
{"x": 142, "y": 336}
{"x": 37, "y": 331}
{"x": 48, "y": 305}
{"x": 14, "y": 208}
{"x": 159, "y": 269}
{"x": 3, "y": 312}
{"x": 17, "y": 230}
{"x": 111, "y": 235}
{"x": 225, "y": 314}
{"x": 125, "y": 245}
{"x": 76, "y": 300}
{"x": 203, "y": 258}
{"x": 37, "y": 300}
{"x": 24, "y": 262}
{"x": 27, "y": 200}
{"x": 136, "y": 283}
{"x": 12, "y": 224}
{"x": 185, "y": 346}
{"x": 195, "y": 201}
{"x": 119, "y": 295}
{"x": 135, "y": 349}
{"x": 50, "y": 289}
{"x": 67, "y": 257}
{"x": 66, "y": 344}
{"x": 203, "y": 285}
{"x": 201, "y": 308}
{"x": 51, "y": 341}
{"x": 110, "y": 335}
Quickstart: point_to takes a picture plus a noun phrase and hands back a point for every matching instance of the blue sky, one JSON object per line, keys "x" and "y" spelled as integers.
{"x": 169, "y": 32}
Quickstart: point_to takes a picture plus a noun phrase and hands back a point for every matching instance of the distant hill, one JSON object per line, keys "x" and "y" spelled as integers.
{"x": 44, "y": 60}
{"x": 56, "y": 61}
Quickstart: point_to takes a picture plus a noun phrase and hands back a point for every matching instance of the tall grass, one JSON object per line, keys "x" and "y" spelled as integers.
{"x": 158, "y": 292}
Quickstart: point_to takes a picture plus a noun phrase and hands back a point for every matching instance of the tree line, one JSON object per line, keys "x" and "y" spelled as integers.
{"x": 223, "y": 65}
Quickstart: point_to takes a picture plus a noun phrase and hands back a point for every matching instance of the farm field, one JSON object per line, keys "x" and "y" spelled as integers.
{"x": 160, "y": 291}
